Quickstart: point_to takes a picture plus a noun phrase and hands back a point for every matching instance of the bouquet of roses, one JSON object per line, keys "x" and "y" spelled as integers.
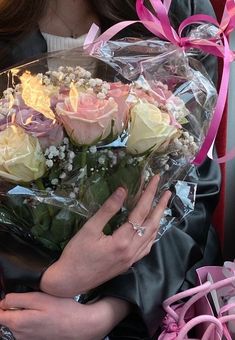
{"x": 70, "y": 135}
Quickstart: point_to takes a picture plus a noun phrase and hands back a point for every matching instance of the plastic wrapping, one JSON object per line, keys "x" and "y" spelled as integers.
{"x": 75, "y": 127}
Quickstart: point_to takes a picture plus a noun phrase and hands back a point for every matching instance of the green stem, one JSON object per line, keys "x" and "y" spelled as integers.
{"x": 84, "y": 156}
{"x": 40, "y": 186}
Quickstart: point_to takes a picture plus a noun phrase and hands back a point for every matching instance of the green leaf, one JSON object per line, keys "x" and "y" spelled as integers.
{"x": 62, "y": 226}
{"x": 127, "y": 176}
{"x": 6, "y": 217}
{"x": 49, "y": 244}
{"x": 96, "y": 191}
{"x": 108, "y": 229}
{"x": 39, "y": 230}
{"x": 117, "y": 221}
{"x": 21, "y": 211}
{"x": 183, "y": 121}
{"x": 51, "y": 227}
{"x": 43, "y": 213}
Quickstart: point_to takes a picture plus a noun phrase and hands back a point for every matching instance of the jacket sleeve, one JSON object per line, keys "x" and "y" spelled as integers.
{"x": 15, "y": 51}
{"x": 22, "y": 259}
{"x": 170, "y": 266}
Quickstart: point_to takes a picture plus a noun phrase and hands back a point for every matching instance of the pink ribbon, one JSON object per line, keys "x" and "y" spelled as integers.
{"x": 159, "y": 24}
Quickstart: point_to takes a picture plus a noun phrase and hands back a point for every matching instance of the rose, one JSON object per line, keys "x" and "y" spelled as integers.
{"x": 149, "y": 128}
{"x": 4, "y": 122}
{"x": 21, "y": 157}
{"x": 8, "y": 110}
{"x": 88, "y": 119}
{"x": 160, "y": 95}
{"x": 63, "y": 92}
{"x": 120, "y": 92}
{"x": 49, "y": 132}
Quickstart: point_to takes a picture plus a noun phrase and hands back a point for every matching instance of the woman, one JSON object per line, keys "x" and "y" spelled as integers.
{"x": 27, "y": 32}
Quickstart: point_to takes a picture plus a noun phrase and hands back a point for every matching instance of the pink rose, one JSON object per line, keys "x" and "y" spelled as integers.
{"x": 59, "y": 97}
{"x": 89, "y": 119}
{"x": 157, "y": 95}
{"x": 49, "y": 132}
{"x": 120, "y": 93}
{"x": 160, "y": 95}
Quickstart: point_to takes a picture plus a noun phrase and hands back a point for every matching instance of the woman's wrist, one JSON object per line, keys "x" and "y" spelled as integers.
{"x": 52, "y": 281}
{"x": 96, "y": 320}
{"x": 108, "y": 312}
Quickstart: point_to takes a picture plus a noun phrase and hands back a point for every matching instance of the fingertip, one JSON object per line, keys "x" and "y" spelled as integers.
{"x": 154, "y": 181}
{"x": 166, "y": 196}
{"x": 156, "y": 178}
{"x": 120, "y": 193}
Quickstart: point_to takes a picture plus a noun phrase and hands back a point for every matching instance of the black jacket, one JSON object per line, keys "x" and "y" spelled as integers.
{"x": 170, "y": 267}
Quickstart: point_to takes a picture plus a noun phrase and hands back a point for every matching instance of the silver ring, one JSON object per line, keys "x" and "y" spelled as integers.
{"x": 6, "y": 334}
{"x": 140, "y": 230}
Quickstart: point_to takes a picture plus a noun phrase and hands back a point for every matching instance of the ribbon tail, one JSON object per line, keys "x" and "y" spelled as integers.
{"x": 91, "y": 35}
{"x": 227, "y": 157}
{"x": 219, "y": 109}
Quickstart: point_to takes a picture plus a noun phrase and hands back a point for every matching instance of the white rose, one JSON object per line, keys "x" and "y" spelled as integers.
{"x": 21, "y": 156}
{"x": 149, "y": 128}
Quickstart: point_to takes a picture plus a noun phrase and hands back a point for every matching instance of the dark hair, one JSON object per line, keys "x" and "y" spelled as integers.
{"x": 20, "y": 16}
{"x": 115, "y": 10}
{"x": 111, "y": 12}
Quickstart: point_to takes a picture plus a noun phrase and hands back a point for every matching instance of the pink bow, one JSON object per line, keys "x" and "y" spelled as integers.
{"x": 159, "y": 25}
{"x": 170, "y": 329}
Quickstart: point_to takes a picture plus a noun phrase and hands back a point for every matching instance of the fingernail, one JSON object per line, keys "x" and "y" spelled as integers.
{"x": 169, "y": 197}
{"x": 168, "y": 193}
{"x": 120, "y": 193}
{"x": 156, "y": 177}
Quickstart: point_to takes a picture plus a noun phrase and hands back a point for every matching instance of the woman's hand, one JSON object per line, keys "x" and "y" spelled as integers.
{"x": 91, "y": 258}
{"x": 39, "y": 316}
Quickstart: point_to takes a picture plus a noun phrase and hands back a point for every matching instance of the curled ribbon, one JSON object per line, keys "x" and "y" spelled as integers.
{"x": 159, "y": 24}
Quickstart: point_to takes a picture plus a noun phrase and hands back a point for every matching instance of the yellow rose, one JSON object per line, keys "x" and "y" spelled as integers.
{"x": 21, "y": 156}
{"x": 149, "y": 128}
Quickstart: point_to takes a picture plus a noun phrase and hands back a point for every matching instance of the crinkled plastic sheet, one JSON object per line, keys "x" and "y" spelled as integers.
{"x": 139, "y": 79}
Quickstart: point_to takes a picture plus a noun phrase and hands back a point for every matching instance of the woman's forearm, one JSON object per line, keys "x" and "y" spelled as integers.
{"x": 110, "y": 311}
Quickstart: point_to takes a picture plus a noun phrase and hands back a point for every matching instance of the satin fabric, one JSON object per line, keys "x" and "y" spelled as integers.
{"x": 170, "y": 267}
